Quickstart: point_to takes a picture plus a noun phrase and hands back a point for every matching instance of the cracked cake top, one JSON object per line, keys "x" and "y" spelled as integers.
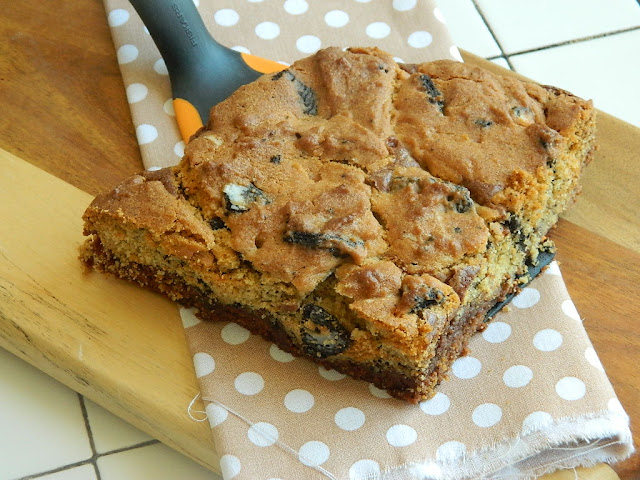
{"x": 348, "y": 158}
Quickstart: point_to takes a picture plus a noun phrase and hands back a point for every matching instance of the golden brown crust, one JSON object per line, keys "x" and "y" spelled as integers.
{"x": 375, "y": 210}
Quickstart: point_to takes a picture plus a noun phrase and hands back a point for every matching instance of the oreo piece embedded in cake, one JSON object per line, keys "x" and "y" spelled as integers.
{"x": 365, "y": 214}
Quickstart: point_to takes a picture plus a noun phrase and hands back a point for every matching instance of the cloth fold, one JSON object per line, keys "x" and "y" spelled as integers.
{"x": 531, "y": 396}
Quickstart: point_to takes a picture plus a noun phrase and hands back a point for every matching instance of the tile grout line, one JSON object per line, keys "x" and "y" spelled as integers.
{"x": 56, "y": 470}
{"x": 95, "y": 455}
{"x": 572, "y": 41}
{"x": 92, "y": 444}
{"x": 93, "y": 460}
{"x": 493, "y": 35}
{"x": 88, "y": 461}
{"x": 131, "y": 447}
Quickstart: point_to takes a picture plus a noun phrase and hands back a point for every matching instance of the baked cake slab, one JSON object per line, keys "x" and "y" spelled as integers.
{"x": 368, "y": 215}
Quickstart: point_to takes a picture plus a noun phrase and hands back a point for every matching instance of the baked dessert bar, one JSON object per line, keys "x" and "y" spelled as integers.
{"x": 368, "y": 215}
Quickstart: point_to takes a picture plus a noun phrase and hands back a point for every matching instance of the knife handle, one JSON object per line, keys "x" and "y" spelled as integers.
{"x": 202, "y": 71}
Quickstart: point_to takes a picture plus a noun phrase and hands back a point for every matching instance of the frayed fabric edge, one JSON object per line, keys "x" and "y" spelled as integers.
{"x": 569, "y": 442}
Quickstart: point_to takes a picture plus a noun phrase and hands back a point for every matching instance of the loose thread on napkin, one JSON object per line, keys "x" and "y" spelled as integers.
{"x": 523, "y": 460}
{"x": 580, "y": 451}
{"x": 191, "y": 409}
{"x": 547, "y": 342}
{"x": 276, "y": 441}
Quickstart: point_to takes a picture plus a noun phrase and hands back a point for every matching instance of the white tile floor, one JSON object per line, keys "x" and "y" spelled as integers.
{"x": 590, "y": 47}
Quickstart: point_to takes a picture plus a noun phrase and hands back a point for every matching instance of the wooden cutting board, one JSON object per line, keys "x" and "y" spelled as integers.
{"x": 119, "y": 345}
{"x": 65, "y": 110}
{"x": 123, "y": 347}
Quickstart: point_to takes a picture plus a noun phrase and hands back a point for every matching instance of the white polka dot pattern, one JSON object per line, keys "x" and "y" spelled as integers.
{"x": 553, "y": 269}
{"x": 313, "y": 453}
{"x": 295, "y": 7}
{"x": 439, "y": 16}
{"x": 308, "y": 44}
{"x": 283, "y": 31}
{"x": 527, "y": 298}
{"x": 127, "y": 54}
{"x": 249, "y": 383}
{"x": 230, "y": 466}
{"x": 226, "y": 17}
{"x": 378, "y": 30}
{"x": 451, "y": 451}
{"x": 536, "y": 421}
{"x": 349, "y": 418}
{"x": 216, "y": 414}
{"x": 146, "y": 133}
{"x": 117, "y": 17}
{"x": 547, "y": 340}
{"x": 234, "y": 334}
{"x": 571, "y": 388}
{"x": 615, "y": 406}
{"x": 404, "y": 5}
{"x": 401, "y": 435}
{"x": 178, "y": 149}
{"x": 437, "y": 405}
{"x": 487, "y": 415}
{"x": 240, "y": 48}
{"x": 514, "y": 380}
{"x": 188, "y": 317}
{"x": 570, "y": 310}
{"x": 263, "y": 434}
{"x": 378, "y": 393}
{"x": 592, "y": 357}
{"x": 455, "y": 53}
{"x": 336, "y": 18}
{"x": 280, "y": 355}
{"x": 516, "y": 377}
{"x": 204, "y": 364}
{"x": 267, "y": 30}
{"x": 136, "y": 92}
{"x": 466, "y": 367}
{"x": 497, "y": 332}
{"x": 364, "y": 469}
{"x": 167, "y": 107}
{"x": 160, "y": 67}
{"x": 299, "y": 401}
{"x": 420, "y": 39}
{"x": 330, "y": 375}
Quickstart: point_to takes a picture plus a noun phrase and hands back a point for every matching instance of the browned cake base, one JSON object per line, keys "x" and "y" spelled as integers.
{"x": 361, "y": 213}
{"x": 413, "y": 389}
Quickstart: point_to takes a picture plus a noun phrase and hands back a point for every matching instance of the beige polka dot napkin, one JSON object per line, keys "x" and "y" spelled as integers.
{"x": 530, "y": 397}
{"x": 281, "y": 30}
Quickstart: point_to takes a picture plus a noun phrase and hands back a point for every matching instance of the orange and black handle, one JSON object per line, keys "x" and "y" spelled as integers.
{"x": 202, "y": 71}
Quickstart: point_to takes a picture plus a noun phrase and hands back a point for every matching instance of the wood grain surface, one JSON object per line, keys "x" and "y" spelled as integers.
{"x": 65, "y": 111}
{"x": 116, "y": 343}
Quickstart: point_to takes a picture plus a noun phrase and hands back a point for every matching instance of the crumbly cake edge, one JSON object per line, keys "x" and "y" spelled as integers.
{"x": 251, "y": 317}
{"x": 451, "y": 345}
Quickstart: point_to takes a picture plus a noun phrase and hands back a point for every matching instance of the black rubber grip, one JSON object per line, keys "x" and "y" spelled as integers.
{"x": 201, "y": 70}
